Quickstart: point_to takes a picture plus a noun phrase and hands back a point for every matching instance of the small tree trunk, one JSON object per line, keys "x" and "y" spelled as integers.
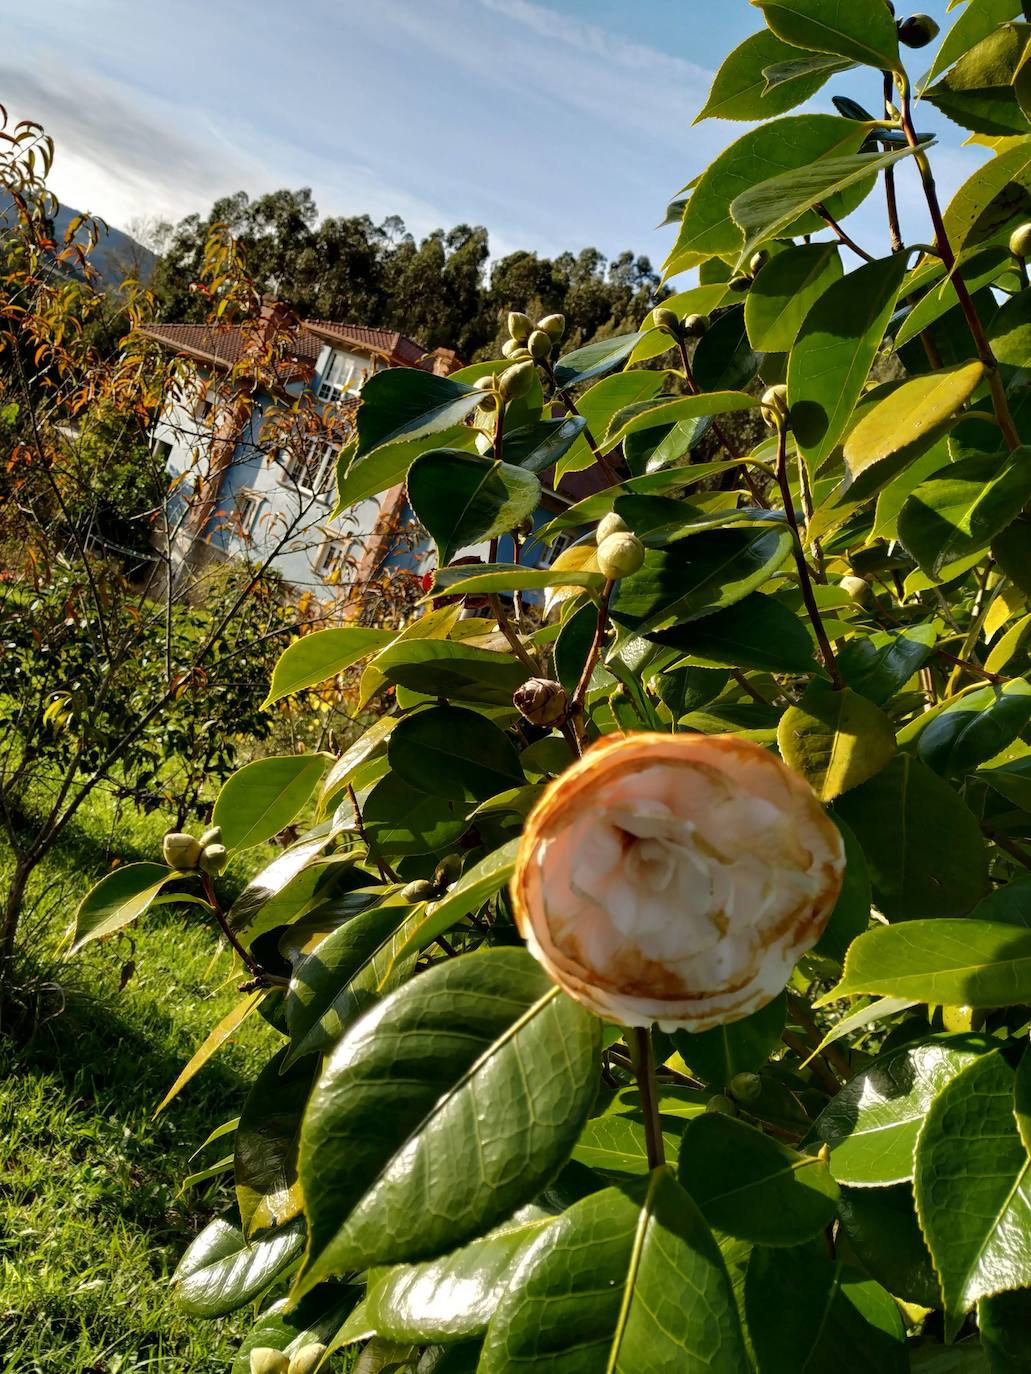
{"x": 13, "y": 908}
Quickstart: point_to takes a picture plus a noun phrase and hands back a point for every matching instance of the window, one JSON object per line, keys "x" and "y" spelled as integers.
{"x": 341, "y": 378}
{"x": 248, "y": 508}
{"x": 313, "y": 467}
{"x": 204, "y": 404}
{"x": 333, "y": 559}
{"x": 550, "y": 552}
{"x": 162, "y": 448}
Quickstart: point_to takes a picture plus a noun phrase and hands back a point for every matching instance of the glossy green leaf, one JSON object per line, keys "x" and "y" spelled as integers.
{"x": 881, "y": 664}
{"x": 807, "y": 1312}
{"x": 439, "y": 667}
{"x": 716, "y": 1055}
{"x": 851, "y": 914}
{"x": 784, "y": 292}
{"x": 463, "y": 499}
{"x": 364, "y": 747}
{"x": 317, "y": 657}
{"x": 835, "y": 738}
{"x": 447, "y": 751}
{"x": 922, "y": 843}
{"x": 394, "y": 1162}
{"x": 880, "y": 1229}
{"x": 400, "y": 819}
{"x": 963, "y": 507}
{"x": 1012, "y": 653}
{"x": 268, "y": 1192}
{"x": 537, "y": 447}
{"x": 282, "y": 1327}
{"x": 664, "y": 410}
{"x": 861, "y": 30}
{"x": 213, "y": 1042}
{"x": 1010, "y": 903}
{"x": 979, "y": 270}
{"x": 276, "y": 891}
{"x": 626, "y": 1280}
{"x": 264, "y": 796}
{"x": 978, "y": 92}
{"x": 991, "y": 200}
{"x": 594, "y": 359}
{"x": 1012, "y": 551}
{"x": 739, "y": 89}
{"x": 1004, "y": 1321}
{"x": 757, "y": 632}
{"x": 454, "y": 1297}
{"x": 615, "y": 1146}
{"x": 951, "y": 962}
{"x": 834, "y": 352}
{"x": 871, "y": 1126}
{"x": 977, "y": 19}
{"x": 505, "y": 577}
{"x": 118, "y": 899}
{"x": 699, "y": 575}
{"x": 221, "y": 1271}
{"x": 973, "y": 1188}
{"x": 975, "y": 727}
{"x": 1010, "y": 332}
{"x": 724, "y": 359}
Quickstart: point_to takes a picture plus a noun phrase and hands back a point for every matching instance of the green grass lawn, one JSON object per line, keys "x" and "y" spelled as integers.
{"x": 92, "y": 1220}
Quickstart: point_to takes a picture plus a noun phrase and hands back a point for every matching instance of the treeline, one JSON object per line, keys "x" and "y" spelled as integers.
{"x": 442, "y": 290}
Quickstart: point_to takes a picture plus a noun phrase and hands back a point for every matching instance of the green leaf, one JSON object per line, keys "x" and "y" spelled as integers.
{"x": 835, "y": 738}
{"x": 281, "y": 1327}
{"x": 364, "y": 747}
{"x": 975, "y": 727}
{"x": 1010, "y": 903}
{"x": 979, "y": 270}
{"x": 861, "y": 30}
{"x": 439, "y": 667}
{"x": 963, "y": 507}
{"x": 768, "y": 209}
{"x": 320, "y": 656}
{"x": 783, "y": 145}
{"x": 463, "y": 499}
{"x": 784, "y": 292}
{"x": 829, "y": 364}
{"x": 388, "y": 465}
{"x": 699, "y": 575}
{"x": 991, "y": 200}
{"x": 663, "y": 410}
{"x": 880, "y": 1229}
{"x": 978, "y": 19}
{"x": 595, "y": 359}
{"x": 851, "y": 914}
{"x": 1004, "y": 1321}
{"x": 505, "y": 577}
{"x": 1010, "y": 332}
{"x": 922, "y": 843}
{"x": 758, "y": 632}
{"x": 449, "y": 752}
{"x": 221, "y": 1271}
{"x": 754, "y": 1187}
{"x": 264, "y": 796}
{"x": 1012, "y": 551}
{"x": 118, "y": 899}
{"x": 978, "y": 92}
{"x": 400, "y": 819}
{"x": 1012, "y": 653}
{"x": 537, "y": 447}
{"x": 626, "y": 1280}
{"x": 806, "y": 1312}
{"x": 615, "y": 1146}
{"x": 276, "y": 892}
{"x": 871, "y": 1126}
{"x": 951, "y": 962}
{"x": 724, "y": 360}
{"x": 881, "y": 664}
{"x": 973, "y": 1188}
{"x": 739, "y": 89}
{"x": 454, "y": 1297}
{"x": 394, "y": 1162}
{"x": 265, "y": 1158}
{"x": 228, "y": 1026}
{"x": 716, "y": 1055}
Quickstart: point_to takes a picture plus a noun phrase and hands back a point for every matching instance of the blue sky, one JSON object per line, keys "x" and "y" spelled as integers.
{"x": 556, "y": 123}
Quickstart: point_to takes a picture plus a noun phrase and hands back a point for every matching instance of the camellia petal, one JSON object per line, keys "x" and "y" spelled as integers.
{"x": 676, "y": 878}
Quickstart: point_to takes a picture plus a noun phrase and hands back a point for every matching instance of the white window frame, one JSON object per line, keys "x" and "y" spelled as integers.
{"x": 313, "y": 470}
{"x": 558, "y": 545}
{"x": 248, "y": 510}
{"x": 332, "y": 555}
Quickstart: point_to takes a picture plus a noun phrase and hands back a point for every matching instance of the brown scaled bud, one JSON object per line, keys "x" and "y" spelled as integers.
{"x": 1020, "y": 241}
{"x": 917, "y": 31}
{"x": 554, "y": 326}
{"x": 517, "y": 380}
{"x": 520, "y": 326}
{"x": 620, "y": 555}
{"x": 745, "y": 1087}
{"x": 774, "y": 406}
{"x": 539, "y": 345}
{"x": 739, "y": 283}
{"x": 541, "y": 701}
{"x": 512, "y": 348}
{"x": 180, "y": 850}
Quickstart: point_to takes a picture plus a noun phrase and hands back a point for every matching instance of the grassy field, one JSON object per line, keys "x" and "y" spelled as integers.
{"x": 92, "y": 1220}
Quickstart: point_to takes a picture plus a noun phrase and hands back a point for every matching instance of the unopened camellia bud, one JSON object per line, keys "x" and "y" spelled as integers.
{"x": 306, "y": 1360}
{"x": 554, "y": 326}
{"x": 485, "y": 383}
{"x": 758, "y": 261}
{"x": 858, "y": 588}
{"x": 620, "y": 555}
{"x": 539, "y": 345}
{"x": 739, "y": 282}
{"x": 541, "y": 701}
{"x": 212, "y": 836}
{"x": 517, "y": 380}
{"x": 745, "y": 1087}
{"x": 265, "y": 1360}
{"x": 512, "y": 347}
{"x": 774, "y": 406}
{"x": 664, "y": 318}
{"x": 675, "y": 879}
{"x": 520, "y": 326}
{"x": 721, "y": 1104}
{"x": 448, "y": 871}
{"x": 180, "y": 850}
{"x": 1020, "y": 241}
{"x": 917, "y": 31}
{"x": 610, "y": 524}
{"x": 694, "y": 326}
{"x": 213, "y": 859}
{"x": 419, "y": 890}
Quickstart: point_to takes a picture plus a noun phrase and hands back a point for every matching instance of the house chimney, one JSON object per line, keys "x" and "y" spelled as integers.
{"x": 444, "y": 361}
{"x": 275, "y": 316}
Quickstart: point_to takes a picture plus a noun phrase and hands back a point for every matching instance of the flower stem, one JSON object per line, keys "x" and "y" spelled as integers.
{"x": 576, "y": 705}
{"x": 640, "y": 1045}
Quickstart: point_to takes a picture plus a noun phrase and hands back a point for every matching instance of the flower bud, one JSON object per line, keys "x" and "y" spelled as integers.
{"x": 722, "y": 1104}
{"x": 739, "y": 283}
{"x": 212, "y": 836}
{"x": 265, "y": 1360}
{"x": 213, "y": 859}
{"x": 858, "y": 589}
{"x": 1020, "y": 241}
{"x": 512, "y": 347}
{"x": 539, "y": 345}
{"x": 758, "y": 261}
{"x": 620, "y": 555}
{"x": 675, "y": 879}
{"x": 745, "y": 1087}
{"x": 448, "y": 871}
{"x": 419, "y": 890}
{"x": 180, "y": 850}
{"x": 774, "y": 406}
{"x": 520, "y": 326}
{"x": 517, "y": 380}
{"x": 917, "y": 31}
{"x": 489, "y": 404}
{"x": 485, "y": 383}
{"x": 694, "y": 326}
{"x": 554, "y": 326}
{"x": 541, "y": 701}
{"x": 307, "y": 1359}
{"x": 664, "y": 318}
{"x": 610, "y": 524}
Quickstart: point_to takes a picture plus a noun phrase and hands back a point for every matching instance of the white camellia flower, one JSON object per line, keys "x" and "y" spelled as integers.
{"x": 676, "y": 878}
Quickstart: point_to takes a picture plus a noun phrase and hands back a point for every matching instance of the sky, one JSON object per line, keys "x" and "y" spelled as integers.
{"x": 555, "y": 123}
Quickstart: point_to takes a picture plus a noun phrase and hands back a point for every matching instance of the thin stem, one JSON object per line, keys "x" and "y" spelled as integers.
{"x": 576, "y": 704}
{"x": 611, "y": 475}
{"x": 252, "y": 968}
{"x": 747, "y": 687}
{"x": 894, "y": 228}
{"x": 1011, "y": 847}
{"x": 506, "y": 628}
{"x": 640, "y": 1044}
{"x": 978, "y": 614}
{"x": 385, "y": 871}
{"x": 844, "y": 238}
{"x": 717, "y": 429}
{"x": 802, "y": 567}
{"x": 941, "y": 238}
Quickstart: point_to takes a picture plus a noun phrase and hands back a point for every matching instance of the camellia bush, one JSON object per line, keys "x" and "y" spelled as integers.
{"x": 651, "y": 991}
